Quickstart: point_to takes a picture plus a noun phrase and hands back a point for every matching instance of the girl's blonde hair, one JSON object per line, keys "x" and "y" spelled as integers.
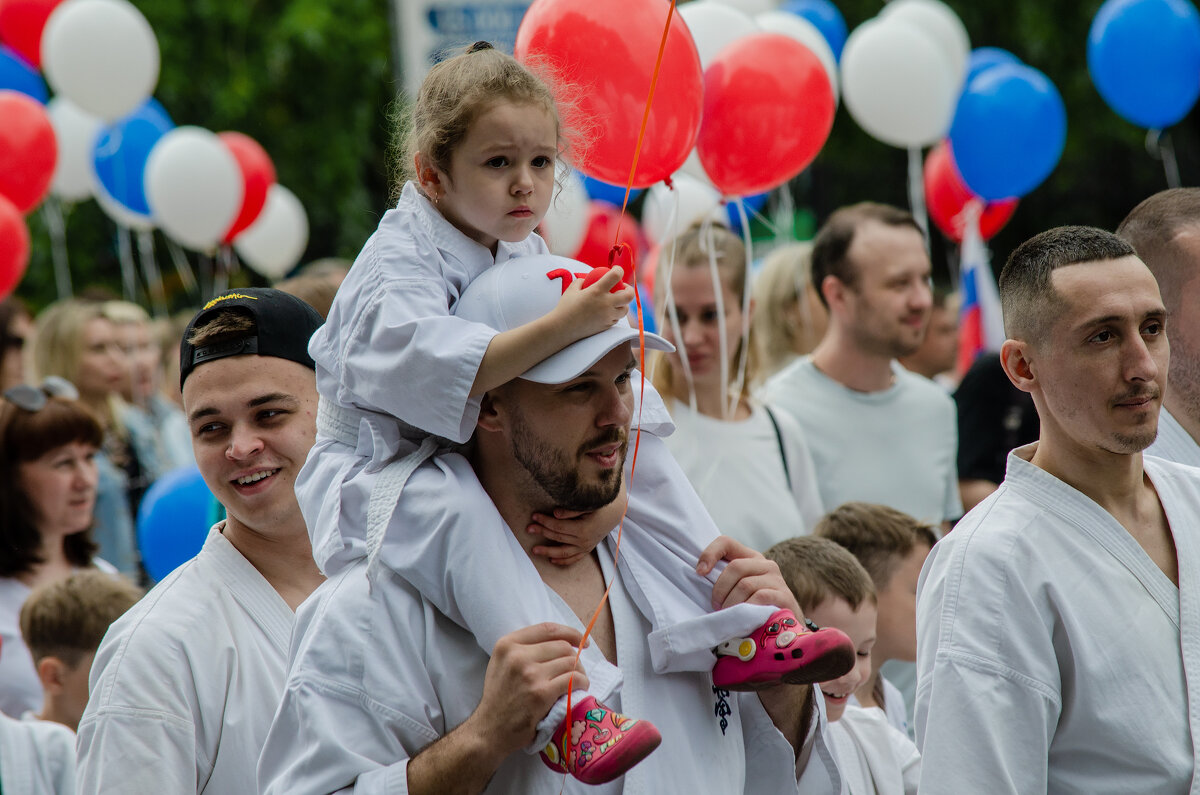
{"x": 781, "y": 285}
{"x": 455, "y": 92}
{"x": 691, "y": 250}
{"x": 58, "y": 344}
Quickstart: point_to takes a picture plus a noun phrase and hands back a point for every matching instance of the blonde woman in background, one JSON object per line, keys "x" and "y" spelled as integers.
{"x": 76, "y": 341}
{"x": 789, "y": 319}
{"x": 749, "y": 464}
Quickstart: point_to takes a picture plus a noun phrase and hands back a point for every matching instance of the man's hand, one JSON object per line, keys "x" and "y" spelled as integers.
{"x": 749, "y": 577}
{"x": 528, "y": 672}
{"x": 576, "y": 532}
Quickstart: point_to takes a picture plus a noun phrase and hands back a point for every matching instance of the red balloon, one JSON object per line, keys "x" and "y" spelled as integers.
{"x": 768, "y": 110}
{"x": 601, "y": 53}
{"x": 28, "y": 150}
{"x": 21, "y": 25}
{"x": 14, "y": 246}
{"x": 598, "y": 239}
{"x": 946, "y": 196}
{"x": 258, "y": 175}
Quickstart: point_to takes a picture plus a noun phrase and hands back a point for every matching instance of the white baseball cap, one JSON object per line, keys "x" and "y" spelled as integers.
{"x": 523, "y": 289}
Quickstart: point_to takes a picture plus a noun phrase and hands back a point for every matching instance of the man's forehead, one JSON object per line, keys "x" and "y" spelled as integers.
{"x": 235, "y": 380}
{"x": 880, "y": 246}
{"x": 1101, "y": 289}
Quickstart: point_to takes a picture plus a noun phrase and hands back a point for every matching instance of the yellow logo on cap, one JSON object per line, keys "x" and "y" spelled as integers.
{"x": 228, "y": 297}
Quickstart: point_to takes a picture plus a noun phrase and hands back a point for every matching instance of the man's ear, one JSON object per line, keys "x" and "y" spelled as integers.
{"x": 51, "y": 671}
{"x": 489, "y": 413}
{"x": 1015, "y": 359}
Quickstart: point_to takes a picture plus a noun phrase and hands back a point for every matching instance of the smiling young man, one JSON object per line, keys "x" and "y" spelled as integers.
{"x": 184, "y": 685}
{"x": 1057, "y": 628}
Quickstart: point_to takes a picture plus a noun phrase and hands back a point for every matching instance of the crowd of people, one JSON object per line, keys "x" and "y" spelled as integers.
{"x": 465, "y": 546}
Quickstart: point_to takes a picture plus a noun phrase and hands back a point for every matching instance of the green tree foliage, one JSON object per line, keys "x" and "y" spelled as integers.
{"x": 311, "y": 80}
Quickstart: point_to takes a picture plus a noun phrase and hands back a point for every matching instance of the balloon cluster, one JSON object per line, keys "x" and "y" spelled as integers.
{"x": 102, "y": 135}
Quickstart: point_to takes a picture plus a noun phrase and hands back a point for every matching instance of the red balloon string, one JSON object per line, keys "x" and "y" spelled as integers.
{"x": 613, "y": 255}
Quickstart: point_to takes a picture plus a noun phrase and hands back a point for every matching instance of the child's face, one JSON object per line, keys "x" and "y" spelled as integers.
{"x": 859, "y": 625}
{"x": 898, "y": 609}
{"x": 501, "y": 176}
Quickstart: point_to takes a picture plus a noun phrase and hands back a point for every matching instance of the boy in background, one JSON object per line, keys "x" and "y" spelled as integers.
{"x": 892, "y": 547}
{"x": 62, "y": 623}
{"x": 834, "y": 590}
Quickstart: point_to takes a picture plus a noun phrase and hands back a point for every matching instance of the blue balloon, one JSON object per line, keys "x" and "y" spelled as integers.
{"x": 121, "y": 151}
{"x": 753, "y": 204}
{"x": 606, "y": 192}
{"x": 173, "y": 520}
{"x": 1008, "y": 132}
{"x": 985, "y": 58}
{"x": 17, "y": 75}
{"x": 1144, "y": 57}
{"x": 825, "y": 17}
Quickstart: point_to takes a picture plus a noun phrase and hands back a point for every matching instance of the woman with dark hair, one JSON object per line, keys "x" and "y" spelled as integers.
{"x": 48, "y": 444}
{"x": 16, "y": 332}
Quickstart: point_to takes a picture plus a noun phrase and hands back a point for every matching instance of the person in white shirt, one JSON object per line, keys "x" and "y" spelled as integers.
{"x": 184, "y": 685}
{"x": 1164, "y": 230}
{"x": 834, "y": 590}
{"x": 749, "y": 464}
{"x": 389, "y": 693}
{"x": 1057, "y": 625}
{"x": 877, "y": 432}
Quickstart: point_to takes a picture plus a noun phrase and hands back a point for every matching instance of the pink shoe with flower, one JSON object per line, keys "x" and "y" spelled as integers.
{"x": 595, "y": 744}
{"x": 783, "y": 651}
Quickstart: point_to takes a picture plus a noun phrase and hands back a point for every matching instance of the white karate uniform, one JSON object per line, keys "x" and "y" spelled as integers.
{"x": 893, "y": 706}
{"x": 874, "y": 756}
{"x": 1173, "y": 442}
{"x": 737, "y": 468}
{"x": 392, "y": 359}
{"x": 1054, "y": 655}
{"x": 378, "y": 673}
{"x": 37, "y": 757}
{"x": 184, "y": 685}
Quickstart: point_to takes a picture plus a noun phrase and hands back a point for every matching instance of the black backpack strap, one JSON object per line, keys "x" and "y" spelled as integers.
{"x": 779, "y": 440}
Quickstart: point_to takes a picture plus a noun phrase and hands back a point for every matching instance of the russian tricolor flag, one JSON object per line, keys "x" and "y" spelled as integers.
{"x": 980, "y": 325}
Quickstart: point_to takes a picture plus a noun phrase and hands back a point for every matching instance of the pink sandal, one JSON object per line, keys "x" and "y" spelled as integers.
{"x": 783, "y": 651}
{"x": 595, "y": 744}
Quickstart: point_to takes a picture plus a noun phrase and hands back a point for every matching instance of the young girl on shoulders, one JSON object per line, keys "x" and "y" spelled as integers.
{"x": 400, "y": 376}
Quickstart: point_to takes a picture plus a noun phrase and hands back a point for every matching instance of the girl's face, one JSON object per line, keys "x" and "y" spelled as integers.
{"x": 103, "y": 364}
{"x": 501, "y": 176}
{"x": 696, "y": 305}
{"x": 61, "y": 486}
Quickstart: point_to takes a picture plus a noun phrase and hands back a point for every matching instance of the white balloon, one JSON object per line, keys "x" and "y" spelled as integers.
{"x": 750, "y": 7}
{"x": 565, "y": 223}
{"x": 715, "y": 25}
{"x": 669, "y": 212}
{"x": 275, "y": 242}
{"x": 76, "y": 131}
{"x": 897, "y": 83}
{"x": 937, "y": 20}
{"x": 100, "y": 54}
{"x": 805, "y": 32}
{"x": 121, "y": 214}
{"x": 193, "y": 186}
{"x": 693, "y": 168}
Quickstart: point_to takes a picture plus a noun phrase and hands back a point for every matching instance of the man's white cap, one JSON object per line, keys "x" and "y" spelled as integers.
{"x": 523, "y": 289}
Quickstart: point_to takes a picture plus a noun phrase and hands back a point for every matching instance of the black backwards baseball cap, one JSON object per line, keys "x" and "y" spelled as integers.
{"x": 283, "y": 326}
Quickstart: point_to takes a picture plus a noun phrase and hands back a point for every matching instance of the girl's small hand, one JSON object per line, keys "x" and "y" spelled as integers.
{"x": 576, "y": 532}
{"x": 584, "y": 311}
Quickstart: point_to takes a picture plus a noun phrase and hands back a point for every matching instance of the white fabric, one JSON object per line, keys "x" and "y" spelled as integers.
{"x": 896, "y": 447}
{"x": 184, "y": 685}
{"x": 1173, "y": 442}
{"x": 378, "y": 673}
{"x": 893, "y": 706}
{"x": 20, "y": 687}
{"x": 1054, "y": 655}
{"x": 874, "y": 756}
{"x": 737, "y": 469}
{"x": 36, "y": 757}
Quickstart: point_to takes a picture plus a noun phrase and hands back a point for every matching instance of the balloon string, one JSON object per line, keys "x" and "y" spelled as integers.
{"x": 637, "y": 438}
{"x": 52, "y": 213}
{"x": 916, "y": 191}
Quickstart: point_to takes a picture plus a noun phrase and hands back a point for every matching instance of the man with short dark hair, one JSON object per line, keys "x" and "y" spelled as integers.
{"x": 1057, "y": 628}
{"x": 877, "y": 432}
{"x": 185, "y": 684}
{"x": 1164, "y": 230}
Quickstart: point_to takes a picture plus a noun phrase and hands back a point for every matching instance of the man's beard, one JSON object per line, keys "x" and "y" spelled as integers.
{"x": 558, "y": 475}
